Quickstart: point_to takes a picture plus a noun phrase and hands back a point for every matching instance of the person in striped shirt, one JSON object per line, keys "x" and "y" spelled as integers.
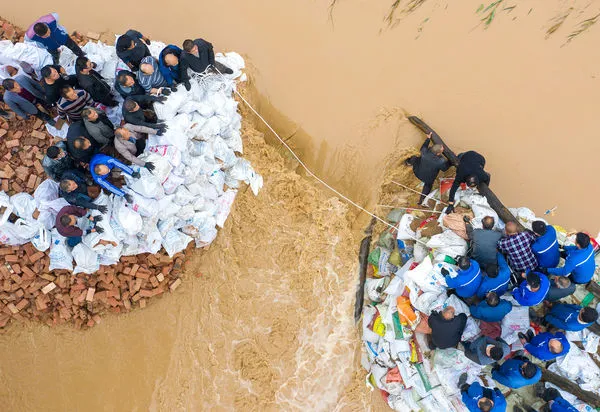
{"x": 72, "y": 103}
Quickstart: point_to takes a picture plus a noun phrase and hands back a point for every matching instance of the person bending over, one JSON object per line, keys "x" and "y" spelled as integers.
{"x": 516, "y": 373}
{"x": 492, "y": 309}
{"x": 101, "y": 166}
{"x": 483, "y": 242}
{"x": 131, "y": 48}
{"x": 571, "y": 317}
{"x": 546, "y": 245}
{"x": 130, "y": 142}
{"x": 517, "y": 247}
{"x": 74, "y": 222}
{"x": 92, "y": 82}
{"x": 480, "y": 399}
{"x": 546, "y": 345}
{"x": 496, "y": 279}
{"x": 127, "y": 85}
{"x": 446, "y": 329}
{"x": 198, "y": 55}
{"x": 469, "y": 171}
{"x": 579, "y": 260}
{"x": 533, "y": 290}
{"x": 138, "y": 110}
{"x": 54, "y": 78}
{"x": 468, "y": 279}
{"x": 75, "y": 190}
{"x": 485, "y": 350}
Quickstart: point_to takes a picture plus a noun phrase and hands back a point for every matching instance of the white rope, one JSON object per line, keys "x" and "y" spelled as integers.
{"x": 416, "y": 191}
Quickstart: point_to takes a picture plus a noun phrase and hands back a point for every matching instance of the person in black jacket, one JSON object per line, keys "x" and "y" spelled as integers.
{"x": 54, "y": 78}
{"x": 75, "y": 190}
{"x": 427, "y": 166}
{"x": 131, "y": 48}
{"x": 80, "y": 145}
{"x": 127, "y": 85}
{"x": 198, "y": 55}
{"x": 92, "y": 82}
{"x": 138, "y": 110}
{"x": 469, "y": 171}
{"x": 446, "y": 329}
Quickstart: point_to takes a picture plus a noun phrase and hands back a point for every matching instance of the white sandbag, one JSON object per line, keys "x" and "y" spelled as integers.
{"x": 525, "y": 216}
{"x": 224, "y": 204}
{"x": 172, "y": 182}
{"x": 449, "y": 364}
{"x": 151, "y": 242}
{"x": 183, "y": 196}
{"x": 58, "y": 133}
{"x": 426, "y": 278}
{"x": 458, "y": 305}
{"x": 171, "y": 153}
{"x": 404, "y": 230}
{"x": 128, "y": 219}
{"x": 517, "y": 320}
{"x": 60, "y": 255}
{"x": 223, "y": 152}
{"x": 447, "y": 243}
{"x": 24, "y": 205}
{"x": 167, "y": 110}
{"x": 147, "y": 185}
{"x": 42, "y": 240}
{"x": 578, "y": 367}
{"x": 471, "y": 330}
{"x": 174, "y": 242}
{"x": 162, "y": 167}
{"x": 86, "y": 260}
{"x": 143, "y": 205}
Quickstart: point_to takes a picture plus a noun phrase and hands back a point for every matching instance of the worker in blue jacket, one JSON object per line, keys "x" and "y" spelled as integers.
{"x": 545, "y": 346}
{"x": 516, "y": 373}
{"x": 101, "y": 165}
{"x": 46, "y": 32}
{"x": 556, "y": 402}
{"x": 496, "y": 279}
{"x": 492, "y": 309}
{"x": 533, "y": 290}
{"x": 579, "y": 260}
{"x": 571, "y": 317}
{"x": 477, "y": 398}
{"x": 545, "y": 248}
{"x": 468, "y": 279}
{"x": 168, "y": 63}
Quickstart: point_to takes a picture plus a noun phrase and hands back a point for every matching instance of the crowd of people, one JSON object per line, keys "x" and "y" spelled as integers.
{"x": 94, "y": 148}
{"x": 529, "y": 265}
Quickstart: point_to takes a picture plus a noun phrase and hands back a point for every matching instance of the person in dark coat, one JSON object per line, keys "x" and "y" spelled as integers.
{"x": 138, "y": 110}
{"x": 127, "y": 85}
{"x": 98, "y": 126}
{"x": 446, "y": 329}
{"x": 483, "y": 242}
{"x": 75, "y": 190}
{"x": 131, "y": 48}
{"x": 54, "y": 78}
{"x": 92, "y": 82}
{"x": 57, "y": 161}
{"x": 73, "y": 222}
{"x": 428, "y": 165}
{"x": 469, "y": 171}
{"x": 197, "y": 56}
{"x": 168, "y": 63}
{"x": 46, "y": 32}
{"x": 80, "y": 145}
{"x": 560, "y": 287}
{"x": 485, "y": 350}
{"x": 22, "y": 95}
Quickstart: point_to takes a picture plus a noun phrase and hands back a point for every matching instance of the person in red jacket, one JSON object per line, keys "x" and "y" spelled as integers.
{"x": 74, "y": 222}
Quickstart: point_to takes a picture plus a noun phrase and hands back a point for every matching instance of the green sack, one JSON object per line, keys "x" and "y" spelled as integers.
{"x": 395, "y": 215}
{"x": 374, "y": 256}
{"x": 387, "y": 240}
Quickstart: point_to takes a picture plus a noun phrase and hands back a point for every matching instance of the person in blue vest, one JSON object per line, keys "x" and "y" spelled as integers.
{"x": 533, "y": 290}
{"x": 101, "y": 165}
{"x": 546, "y": 345}
{"x": 571, "y": 317}
{"x": 496, "y": 279}
{"x": 556, "y": 402}
{"x": 579, "y": 261}
{"x": 46, "y": 32}
{"x": 480, "y": 399}
{"x": 492, "y": 309}
{"x": 468, "y": 279}
{"x": 545, "y": 247}
{"x": 516, "y": 373}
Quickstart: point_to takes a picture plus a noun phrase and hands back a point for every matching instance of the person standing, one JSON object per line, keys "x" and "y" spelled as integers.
{"x": 22, "y": 95}
{"x": 131, "y": 48}
{"x": 468, "y": 279}
{"x": 517, "y": 247}
{"x": 533, "y": 290}
{"x": 516, "y": 373}
{"x": 496, "y": 279}
{"x": 98, "y": 125}
{"x": 74, "y": 222}
{"x": 130, "y": 142}
{"x": 127, "y": 85}
{"x": 198, "y": 55}
{"x": 428, "y": 165}
{"x": 483, "y": 242}
{"x": 485, "y": 350}
{"x": 75, "y": 190}
{"x": 46, "y": 32}
{"x": 469, "y": 171}
{"x": 492, "y": 309}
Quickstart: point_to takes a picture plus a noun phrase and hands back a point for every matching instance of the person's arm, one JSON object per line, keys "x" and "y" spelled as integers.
{"x": 105, "y": 184}
{"x": 463, "y": 321}
{"x": 425, "y": 146}
{"x": 475, "y": 312}
{"x": 499, "y": 377}
{"x": 469, "y": 229}
{"x": 502, "y": 247}
{"x": 13, "y": 104}
{"x": 140, "y": 129}
{"x": 120, "y": 165}
{"x": 568, "y": 267}
{"x": 122, "y": 149}
{"x": 38, "y": 90}
{"x": 83, "y": 201}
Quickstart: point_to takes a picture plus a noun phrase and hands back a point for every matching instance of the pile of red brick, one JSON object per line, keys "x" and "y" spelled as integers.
{"x": 28, "y": 290}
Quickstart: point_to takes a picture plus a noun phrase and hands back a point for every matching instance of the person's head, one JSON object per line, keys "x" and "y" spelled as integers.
{"x": 464, "y": 263}
{"x": 126, "y": 80}
{"x": 50, "y": 73}
{"x": 41, "y": 29}
{"x": 528, "y": 370}
{"x": 511, "y": 228}
{"x": 67, "y": 185}
{"x": 68, "y": 220}
{"x": 171, "y": 59}
{"x": 101, "y": 170}
{"x": 11, "y": 85}
{"x": 533, "y": 281}
{"x": 437, "y": 149}
{"x": 550, "y": 394}
{"x": 444, "y": 272}
{"x": 90, "y": 114}
{"x": 472, "y": 181}
{"x": 488, "y": 222}
{"x": 485, "y": 404}
{"x": 131, "y": 106}
{"x": 122, "y": 133}
{"x": 492, "y": 270}
{"x": 124, "y": 43}
{"x": 55, "y": 152}
{"x": 555, "y": 346}
{"x": 189, "y": 46}
{"x": 68, "y": 93}
{"x": 11, "y": 70}
{"x": 147, "y": 68}
{"x": 588, "y": 315}
{"x": 81, "y": 143}
{"x": 539, "y": 227}
{"x": 492, "y": 299}
{"x": 562, "y": 282}
{"x": 83, "y": 64}
{"x": 582, "y": 240}
{"x": 448, "y": 312}
{"x": 496, "y": 353}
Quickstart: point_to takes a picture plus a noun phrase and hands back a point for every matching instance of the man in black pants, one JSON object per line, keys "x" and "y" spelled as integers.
{"x": 469, "y": 171}
{"x": 427, "y": 166}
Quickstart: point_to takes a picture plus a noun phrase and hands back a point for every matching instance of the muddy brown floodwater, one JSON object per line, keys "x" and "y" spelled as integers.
{"x": 267, "y": 324}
